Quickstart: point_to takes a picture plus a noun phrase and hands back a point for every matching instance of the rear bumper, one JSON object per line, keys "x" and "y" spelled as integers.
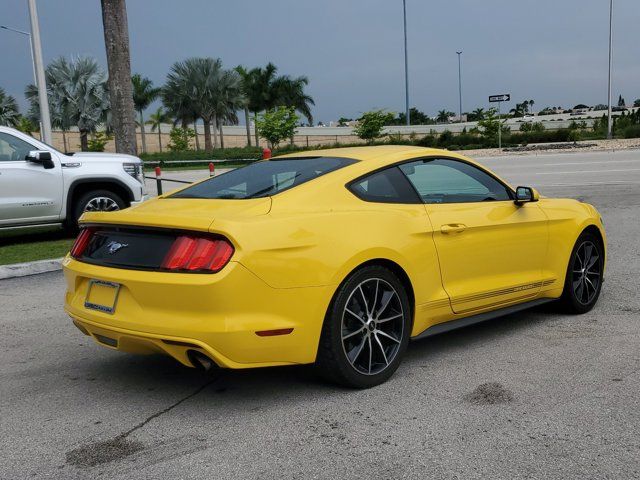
{"x": 217, "y": 314}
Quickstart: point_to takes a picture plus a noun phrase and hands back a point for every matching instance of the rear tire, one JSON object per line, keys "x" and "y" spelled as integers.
{"x": 583, "y": 281}
{"x": 366, "y": 329}
{"x": 96, "y": 201}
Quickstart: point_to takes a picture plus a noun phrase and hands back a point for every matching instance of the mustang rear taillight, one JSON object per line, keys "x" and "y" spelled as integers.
{"x": 194, "y": 254}
{"x": 81, "y": 242}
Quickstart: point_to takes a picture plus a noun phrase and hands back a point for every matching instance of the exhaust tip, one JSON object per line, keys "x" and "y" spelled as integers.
{"x": 201, "y": 361}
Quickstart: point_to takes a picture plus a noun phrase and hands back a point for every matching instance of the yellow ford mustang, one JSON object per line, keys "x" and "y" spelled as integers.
{"x": 334, "y": 257}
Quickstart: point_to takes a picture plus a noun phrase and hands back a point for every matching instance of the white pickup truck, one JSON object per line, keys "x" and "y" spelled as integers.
{"x": 41, "y": 186}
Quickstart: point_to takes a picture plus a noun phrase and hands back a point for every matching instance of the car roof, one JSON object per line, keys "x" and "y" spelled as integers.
{"x": 373, "y": 157}
{"x": 380, "y": 155}
{"x": 367, "y": 153}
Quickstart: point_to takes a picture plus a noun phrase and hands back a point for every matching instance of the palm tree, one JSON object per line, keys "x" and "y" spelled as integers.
{"x": 245, "y": 79}
{"x": 156, "y": 119}
{"x": 229, "y": 99}
{"x": 116, "y": 39}
{"x": 443, "y": 116}
{"x": 8, "y": 110}
{"x": 78, "y": 95}
{"x": 265, "y": 90}
{"x": 478, "y": 114}
{"x": 289, "y": 92}
{"x": 191, "y": 88}
{"x": 143, "y": 94}
{"x": 531, "y": 102}
{"x": 258, "y": 91}
{"x": 520, "y": 109}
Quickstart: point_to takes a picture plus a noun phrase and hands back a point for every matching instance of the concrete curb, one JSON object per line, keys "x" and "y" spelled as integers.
{"x": 30, "y": 268}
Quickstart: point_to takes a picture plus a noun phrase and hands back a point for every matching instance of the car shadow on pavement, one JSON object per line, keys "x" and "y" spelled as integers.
{"x": 158, "y": 373}
{"x": 441, "y": 344}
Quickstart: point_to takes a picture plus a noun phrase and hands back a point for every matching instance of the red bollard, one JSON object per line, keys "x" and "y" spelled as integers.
{"x": 266, "y": 154}
{"x": 159, "y": 180}
{"x": 212, "y": 169}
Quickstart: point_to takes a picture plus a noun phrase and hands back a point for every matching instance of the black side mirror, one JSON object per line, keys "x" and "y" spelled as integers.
{"x": 42, "y": 157}
{"x": 525, "y": 195}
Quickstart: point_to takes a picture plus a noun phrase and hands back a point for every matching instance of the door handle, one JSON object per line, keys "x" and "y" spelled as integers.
{"x": 453, "y": 228}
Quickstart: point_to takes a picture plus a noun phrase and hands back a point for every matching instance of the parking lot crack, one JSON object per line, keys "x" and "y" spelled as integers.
{"x": 168, "y": 409}
{"x": 118, "y": 447}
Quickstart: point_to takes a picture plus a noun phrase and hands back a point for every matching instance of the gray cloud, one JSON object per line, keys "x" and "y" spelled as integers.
{"x": 553, "y": 51}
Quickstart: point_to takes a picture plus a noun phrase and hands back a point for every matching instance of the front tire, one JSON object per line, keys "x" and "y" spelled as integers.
{"x": 366, "y": 330}
{"x": 583, "y": 281}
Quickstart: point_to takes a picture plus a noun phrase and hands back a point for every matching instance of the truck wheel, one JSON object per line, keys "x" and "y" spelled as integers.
{"x": 96, "y": 201}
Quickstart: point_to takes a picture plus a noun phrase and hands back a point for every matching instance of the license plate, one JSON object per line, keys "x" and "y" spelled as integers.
{"x": 102, "y": 296}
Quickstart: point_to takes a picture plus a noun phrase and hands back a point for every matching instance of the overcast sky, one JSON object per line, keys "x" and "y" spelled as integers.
{"x": 551, "y": 51}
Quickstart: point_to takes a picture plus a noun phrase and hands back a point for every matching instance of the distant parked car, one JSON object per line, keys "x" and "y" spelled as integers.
{"x": 41, "y": 186}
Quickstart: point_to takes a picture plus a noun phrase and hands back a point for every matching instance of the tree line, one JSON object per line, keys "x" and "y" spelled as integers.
{"x": 195, "y": 89}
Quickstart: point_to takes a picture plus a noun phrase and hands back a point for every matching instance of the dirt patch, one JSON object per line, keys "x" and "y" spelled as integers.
{"x": 97, "y": 453}
{"x": 489, "y": 394}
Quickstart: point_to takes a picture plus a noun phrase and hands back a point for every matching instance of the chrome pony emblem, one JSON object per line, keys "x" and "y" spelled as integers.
{"x": 113, "y": 247}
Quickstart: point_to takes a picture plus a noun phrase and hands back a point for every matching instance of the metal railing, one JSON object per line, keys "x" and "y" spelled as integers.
{"x": 266, "y": 154}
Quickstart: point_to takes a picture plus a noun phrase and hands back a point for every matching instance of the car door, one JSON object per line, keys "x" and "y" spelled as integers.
{"x": 405, "y": 216}
{"x": 491, "y": 250}
{"x": 29, "y": 193}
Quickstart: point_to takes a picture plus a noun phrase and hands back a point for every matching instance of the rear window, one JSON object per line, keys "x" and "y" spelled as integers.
{"x": 265, "y": 178}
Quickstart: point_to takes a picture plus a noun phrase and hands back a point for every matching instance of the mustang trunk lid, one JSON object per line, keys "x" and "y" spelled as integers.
{"x": 182, "y": 213}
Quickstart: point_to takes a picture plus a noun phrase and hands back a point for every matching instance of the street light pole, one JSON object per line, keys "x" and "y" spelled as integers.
{"x": 33, "y": 65}
{"x": 41, "y": 82}
{"x": 406, "y": 63}
{"x": 460, "y": 83}
{"x": 609, "y": 120}
{"x": 22, "y": 32}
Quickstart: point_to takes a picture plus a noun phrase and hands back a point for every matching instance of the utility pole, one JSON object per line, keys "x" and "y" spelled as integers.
{"x": 460, "y": 83}
{"x": 609, "y": 119}
{"x": 406, "y": 63}
{"x": 41, "y": 81}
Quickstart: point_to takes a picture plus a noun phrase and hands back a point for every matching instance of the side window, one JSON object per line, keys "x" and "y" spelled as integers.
{"x": 443, "y": 180}
{"x": 13, "y": 149}
{"x": 385, "y": 186}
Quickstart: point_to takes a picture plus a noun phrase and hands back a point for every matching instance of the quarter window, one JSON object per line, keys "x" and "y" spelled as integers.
{"x": 442, "y": 180}
{"x": 263, "y": 179}
{"x": 385, "y": 186}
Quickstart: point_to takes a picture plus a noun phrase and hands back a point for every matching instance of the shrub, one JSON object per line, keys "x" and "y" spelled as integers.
{"x": 537, "y": 127}
{"x": 445, "y": 138}
{"x": 632, "y": 131}
{"x": 428, "y": 141}
{"x": 180, "y": 139}
{"x": 277, "y": 125}
{"x": 370, "y": 124}
{"x": 525, "y": 127}
{"x": 398, "y": 139}
{"x": 575, "y": 135}
{"x": 98, "y": 141}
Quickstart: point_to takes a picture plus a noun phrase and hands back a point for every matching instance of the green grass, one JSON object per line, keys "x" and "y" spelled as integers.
{"x": 17, "y": 246}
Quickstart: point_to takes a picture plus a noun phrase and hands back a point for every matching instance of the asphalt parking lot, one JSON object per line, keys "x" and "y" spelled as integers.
{"x": 533, "y": 395}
